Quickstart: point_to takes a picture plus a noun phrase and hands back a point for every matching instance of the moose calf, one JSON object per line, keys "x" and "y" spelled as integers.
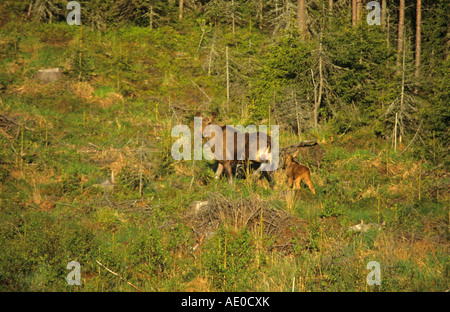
{"x": 296, "y": 173}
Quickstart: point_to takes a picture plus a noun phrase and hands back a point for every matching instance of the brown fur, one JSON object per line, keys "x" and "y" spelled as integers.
{"x": 296, "y": 173}
{"x": 224, "y": 163}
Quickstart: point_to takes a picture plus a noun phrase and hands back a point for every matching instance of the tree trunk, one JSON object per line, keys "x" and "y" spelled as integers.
{"x": 301, "y": 17}
{"x": 232, "y": 17}
{"x": 319, "y": 98}
{"x": 358, "y": 11}
{"x": 228, "y": 79}
{"x": 330, "y": 7}
{"x": 395, "y": 132}
{"x": 296, "y": 115}
{"x": 180, "y": 16}
{"x": 30, "y": 7}
{"x": 383, "y": 14}
{"x": 353, "y": 12}
{"x": 260, "y": 14}
{"x": 315, "y": 100}
{"x": 402, "y": 95}
{"x": 151, "y": 17}
{"x": 401, "y": 30}
{"x": 418, "y": 37}
{"x": 387, "y": 29}
{"x": 210, "y": 59}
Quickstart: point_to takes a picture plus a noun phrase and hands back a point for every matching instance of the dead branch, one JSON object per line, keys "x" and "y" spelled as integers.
{"x": 116, "y": 274}
{"x": 299, "y": 145}
{"x": 4, "y": 121}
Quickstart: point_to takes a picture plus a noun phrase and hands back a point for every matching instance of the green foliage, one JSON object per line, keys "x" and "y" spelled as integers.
{"x": 365, "y": 78}
{"x": 82, "y": 63}
{"x": 230, "y": 258}
{"x": 36, "y": 253}
{"x": 285, "y": 68}
{"x": 147, "y": 252}
{"x": 438, "y": 116}
{"x": 60, "y": 141}
{"x": 331, "y": 210}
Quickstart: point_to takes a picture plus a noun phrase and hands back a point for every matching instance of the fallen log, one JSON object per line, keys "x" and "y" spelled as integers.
{"x": 298, "y": 145}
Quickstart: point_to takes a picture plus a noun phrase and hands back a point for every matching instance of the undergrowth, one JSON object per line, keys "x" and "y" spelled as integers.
{"x": 63, "y": 142}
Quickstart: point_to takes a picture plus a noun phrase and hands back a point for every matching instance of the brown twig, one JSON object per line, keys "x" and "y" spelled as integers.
{"x": 5, "y": 119}
{"x": 116, "y": 274}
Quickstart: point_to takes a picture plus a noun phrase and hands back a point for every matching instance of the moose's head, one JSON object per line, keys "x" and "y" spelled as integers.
{"x": 289, "y": 158}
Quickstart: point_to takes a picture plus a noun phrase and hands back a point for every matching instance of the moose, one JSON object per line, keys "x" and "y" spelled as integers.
{"x": 233, "y": 146}
{"x": 296, "y": 172}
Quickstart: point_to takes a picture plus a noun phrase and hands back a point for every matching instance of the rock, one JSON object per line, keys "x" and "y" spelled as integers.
{"x": 49, "y": 75}
{"x": 365, "y": 227}
{"x": 199, "y": 207}
{"x": 107, "y": 185}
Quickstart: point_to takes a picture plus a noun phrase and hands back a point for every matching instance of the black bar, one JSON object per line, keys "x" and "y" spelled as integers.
{"x": 221, "y": 301}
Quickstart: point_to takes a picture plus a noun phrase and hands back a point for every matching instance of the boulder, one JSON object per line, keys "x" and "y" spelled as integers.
{"x": 49, "y": 75}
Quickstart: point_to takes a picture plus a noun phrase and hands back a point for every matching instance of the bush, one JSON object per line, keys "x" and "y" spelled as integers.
{"x": 230, "y": 258}
{"x": 147, "y": 252}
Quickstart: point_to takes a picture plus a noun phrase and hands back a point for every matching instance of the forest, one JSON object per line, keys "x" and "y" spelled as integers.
{"x": 91, "y": 90}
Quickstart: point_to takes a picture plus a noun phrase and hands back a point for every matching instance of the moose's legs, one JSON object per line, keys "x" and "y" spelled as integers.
{"x": 308, "y": 182}
{"x": 290, "y": 181}
{"x": 297, "y": 183}
{"x": 219, "y": 171}
{"x": 229, "y": 171}
{"x": 267, "y": 174}
{"x": 227, "y": 166}
{"x": 307, "y": 179}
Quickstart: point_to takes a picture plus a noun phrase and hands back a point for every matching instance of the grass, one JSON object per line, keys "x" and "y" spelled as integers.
{"x": 69, "y": 136}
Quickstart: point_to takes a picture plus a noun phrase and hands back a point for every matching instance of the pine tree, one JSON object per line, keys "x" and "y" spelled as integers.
{"x": 401, "y": 33}
{"x": 418, "y": 36}
{"x": 301, "y": 17}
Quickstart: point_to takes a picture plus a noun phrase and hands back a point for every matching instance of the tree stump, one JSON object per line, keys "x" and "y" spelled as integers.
{"x": 49, "y": 75}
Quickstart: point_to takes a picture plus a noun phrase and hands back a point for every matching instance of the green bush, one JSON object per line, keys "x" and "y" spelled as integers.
{"x": 230, "y": 258}
{"x": 147, "y": 252}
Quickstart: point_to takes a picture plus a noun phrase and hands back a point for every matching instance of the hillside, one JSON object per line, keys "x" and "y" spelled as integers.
{"x": 87, "y": 175}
